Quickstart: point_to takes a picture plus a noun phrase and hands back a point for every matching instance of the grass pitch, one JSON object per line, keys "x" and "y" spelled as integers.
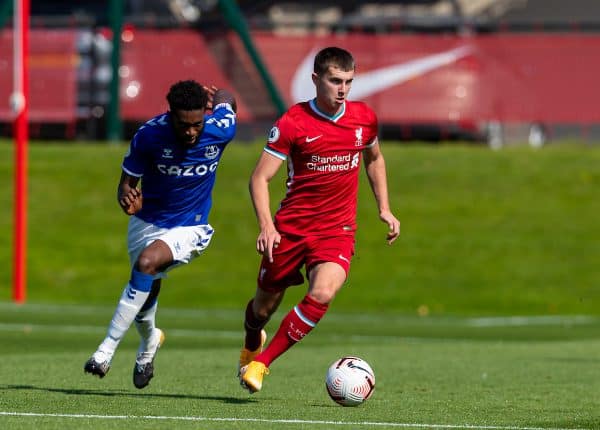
{"x": 449, "y": 379}
{"x": 483, "y": 315}
{"x": 510, "y": 232}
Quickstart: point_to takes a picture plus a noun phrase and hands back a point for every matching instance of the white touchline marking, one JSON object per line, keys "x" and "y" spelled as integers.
{"x": 49, "y": 308}
{"x": 232, "y": 315}
{"x": 25, "y": 327}
{"x": 509, "y": 320}
{"x": 184, "y": 333}
{"x": 512, "y": 321}
{"x": 281, "y": 421}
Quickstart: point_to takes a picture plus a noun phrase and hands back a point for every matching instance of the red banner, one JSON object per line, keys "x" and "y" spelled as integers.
{"x": 53, "y": 64}
{"x": 507, "y": 77}
{"x": 153, "y": 60}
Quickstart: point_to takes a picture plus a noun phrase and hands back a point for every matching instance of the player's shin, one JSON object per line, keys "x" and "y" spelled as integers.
{"x": 296, "y": 324}
{"x": 145, "y": 320}
{"x": 133, "y": 298}
{"x": 253, "y": 327}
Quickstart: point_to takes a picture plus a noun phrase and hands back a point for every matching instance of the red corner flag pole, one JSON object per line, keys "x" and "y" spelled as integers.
{"x": 19, "y": 103}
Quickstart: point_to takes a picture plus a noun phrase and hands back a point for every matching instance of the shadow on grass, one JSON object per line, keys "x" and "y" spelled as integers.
{"x": 125, "y": 393}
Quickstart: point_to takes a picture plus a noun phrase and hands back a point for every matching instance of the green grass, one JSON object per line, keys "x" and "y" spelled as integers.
{"x": 484, "y": 232}
{"x": 486, "y": 236}
{"x": 460, "y": 374}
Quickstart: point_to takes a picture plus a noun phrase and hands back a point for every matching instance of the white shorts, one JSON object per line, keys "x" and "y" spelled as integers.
{"x": 185, "y": 243}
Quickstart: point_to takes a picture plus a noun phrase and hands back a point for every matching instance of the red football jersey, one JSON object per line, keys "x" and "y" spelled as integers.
{"x": 323, "y": 155}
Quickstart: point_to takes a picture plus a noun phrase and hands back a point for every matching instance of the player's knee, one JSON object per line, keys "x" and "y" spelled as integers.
{"x": 263, "y": 310}
{"x": 262, "y": 313}
{"x": 147, "y": 264}
{"x": 322, "y": 296}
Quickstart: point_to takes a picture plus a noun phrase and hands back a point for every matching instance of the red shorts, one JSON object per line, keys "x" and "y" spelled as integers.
{"x": 294, "y": 252}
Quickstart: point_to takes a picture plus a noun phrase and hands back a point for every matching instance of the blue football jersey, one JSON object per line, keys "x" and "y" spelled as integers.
{"x": 177, "y": 182}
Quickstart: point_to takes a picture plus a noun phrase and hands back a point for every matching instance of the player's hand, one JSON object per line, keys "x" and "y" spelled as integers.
{"x": 393, "y": 224}
{"x": 131, "y": 202}
{"x": 267, "y": 241}
{"x": 211, "y": 94}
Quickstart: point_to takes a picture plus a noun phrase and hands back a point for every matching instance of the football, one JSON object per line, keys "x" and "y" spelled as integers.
{"x": 350, "y": 381}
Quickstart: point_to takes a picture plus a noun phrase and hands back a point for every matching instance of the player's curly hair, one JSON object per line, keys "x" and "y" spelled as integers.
{"x": 187, "y": 95}
{"x": 333, "y": 56}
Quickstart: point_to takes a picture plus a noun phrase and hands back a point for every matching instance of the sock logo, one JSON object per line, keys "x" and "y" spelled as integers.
{"x": 295, "y": 333}
{"x": 131, "y": 292}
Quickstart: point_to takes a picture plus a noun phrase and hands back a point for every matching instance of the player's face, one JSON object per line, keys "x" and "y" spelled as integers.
{"x": 188, "y": 125}
{"x": 333, "y": 88}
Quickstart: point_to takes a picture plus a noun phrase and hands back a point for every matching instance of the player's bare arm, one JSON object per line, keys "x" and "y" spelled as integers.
{"x": 376, "y": 172}
{"x": 268, "y": 238}
{"x": 129, "y": 196}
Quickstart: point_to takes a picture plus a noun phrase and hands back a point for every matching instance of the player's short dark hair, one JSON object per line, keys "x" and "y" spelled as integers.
{"x": 187, "y": 95}
{"x": 333, "y": 56}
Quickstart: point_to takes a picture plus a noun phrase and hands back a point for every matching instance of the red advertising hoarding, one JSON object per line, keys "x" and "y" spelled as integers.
{"x": 53, "y": 64}
{"x": 407, "y": 78}
{"x": 437, "y": 78}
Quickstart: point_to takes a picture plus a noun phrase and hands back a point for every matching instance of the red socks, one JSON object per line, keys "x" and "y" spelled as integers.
{"x": 296, "y": 324}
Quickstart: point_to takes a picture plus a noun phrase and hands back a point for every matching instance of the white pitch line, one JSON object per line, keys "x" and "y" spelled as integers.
{"x": 281, "y": 421}
{"x": 515, "y": 321}
{"x": 231, "y": 314}
{"x": 54, "y": 309}
{"x": 60, "y": 328}
{"x": 183, "y": 333}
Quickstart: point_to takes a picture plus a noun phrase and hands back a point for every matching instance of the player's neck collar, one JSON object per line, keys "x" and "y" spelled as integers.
{"x": 334, "y": 118}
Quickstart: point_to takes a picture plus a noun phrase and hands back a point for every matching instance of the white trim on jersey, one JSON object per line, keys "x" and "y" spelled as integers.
{"x": 223, "y": 105}
{"x": 313, "y": 105}
{"x": 275, "y": 153}
{"x": 373, "y": 142}
{"x": 130, "y": 173}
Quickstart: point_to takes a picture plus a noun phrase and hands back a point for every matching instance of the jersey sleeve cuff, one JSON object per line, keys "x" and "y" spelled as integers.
{"x": 372, "y": 143}
{"x": 275, "y": 153}
{"x": 223, "y": 105}
{"x": 130, "y": 173}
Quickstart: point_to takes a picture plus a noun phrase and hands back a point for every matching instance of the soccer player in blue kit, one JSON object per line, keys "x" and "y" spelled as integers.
{"x": 175, "y": 155}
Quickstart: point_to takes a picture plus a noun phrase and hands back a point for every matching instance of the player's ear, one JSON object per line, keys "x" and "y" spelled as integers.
{"x": 315, "y": 78}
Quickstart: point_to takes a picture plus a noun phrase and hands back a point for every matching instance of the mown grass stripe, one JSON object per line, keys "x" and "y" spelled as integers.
{"x": 230, "y": 314}
{"x": 184, "y": 333}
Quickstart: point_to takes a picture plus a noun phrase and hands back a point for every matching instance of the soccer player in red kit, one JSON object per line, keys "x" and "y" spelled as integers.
{"x": 323, "y": 141}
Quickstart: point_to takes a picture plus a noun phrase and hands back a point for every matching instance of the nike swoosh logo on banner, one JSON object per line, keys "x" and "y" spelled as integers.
{"x": 377, "y": 80}
{"x": 311, "y": 139}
